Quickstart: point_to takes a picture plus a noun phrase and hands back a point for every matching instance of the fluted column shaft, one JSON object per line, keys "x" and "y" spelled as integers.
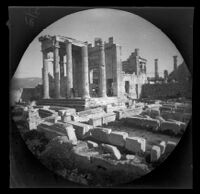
{"x": 56, "y": 71}
{"x": 69, "y": 68}
{"x": 45, "y": 76}
{"x": 102, "y": 68}
{"x": 85, "y": 74}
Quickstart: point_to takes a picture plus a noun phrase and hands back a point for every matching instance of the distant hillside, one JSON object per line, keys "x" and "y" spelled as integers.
{"x": 30, "y": 82}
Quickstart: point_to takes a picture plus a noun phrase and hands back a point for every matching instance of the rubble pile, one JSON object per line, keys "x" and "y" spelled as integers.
{"x": 84, "y": 148}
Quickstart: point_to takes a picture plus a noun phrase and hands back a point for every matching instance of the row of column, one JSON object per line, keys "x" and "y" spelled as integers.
{"x": 85, "y": 73}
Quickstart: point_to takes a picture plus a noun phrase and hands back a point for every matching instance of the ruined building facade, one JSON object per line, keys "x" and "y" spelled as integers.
{"x": 82, "y": 70}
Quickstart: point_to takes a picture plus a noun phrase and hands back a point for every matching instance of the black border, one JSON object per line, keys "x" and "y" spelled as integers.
{"x": 176, "y": 40}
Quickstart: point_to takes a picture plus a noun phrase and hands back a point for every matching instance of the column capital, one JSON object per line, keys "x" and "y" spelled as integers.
{"x": 68, "y": 42}
{"x": 56, "y": 44}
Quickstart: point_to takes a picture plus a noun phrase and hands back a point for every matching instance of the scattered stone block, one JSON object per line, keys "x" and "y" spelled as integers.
{"x": 90, "y": 112}
{"x": 118, "y": 138}
{"x": 151, "y": 123}
{"x": 162, "y": 145}
{"x": 119, "y": 115}
{"x": 172, "y": 126}
{"x": 71, "y": 134}
{"x": 181, "y": 124}
{"x": 170, "y": 147}
{"x": 113, "y": 150}
{"x": 143, "y": 122}
{"x": 92, "y": 144}
{"x": 55, "y": 119}
{"x": 46, "y": 107}
{"x": 109, "y": 117}
{"x": 48, "y": 131}
{"x": 81, "y": 129}
{"x": 96, "y": 121}
{"x": 155, "y": 153}
{"x": 135, "y": 144}
{"x": 62, "y": 110}
{"x": 108, "y": 108}
{"x": 66, "y": 118}
{"x": 130, "y": 157}
{"x": 101, "y": 134}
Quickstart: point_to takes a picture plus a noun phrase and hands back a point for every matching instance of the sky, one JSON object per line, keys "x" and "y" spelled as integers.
{"x": 128, "y": 30}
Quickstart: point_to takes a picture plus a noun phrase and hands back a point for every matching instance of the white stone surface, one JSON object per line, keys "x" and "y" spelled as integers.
{"x": 92, "y": 144}
{"x": 155, "y": 153}
{"x": 113, "y": 150}
{"x": 71, "y": 133}
{"x": 163, "y": 145}
{"x": 130, "y": 157}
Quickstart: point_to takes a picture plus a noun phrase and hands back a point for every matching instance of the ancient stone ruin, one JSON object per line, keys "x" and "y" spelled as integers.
{"x": 91, "y": 126}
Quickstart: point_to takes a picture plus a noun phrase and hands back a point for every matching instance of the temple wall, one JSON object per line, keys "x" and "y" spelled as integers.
{"x": 135, "y": 85}
{"x": 167, "y": 90}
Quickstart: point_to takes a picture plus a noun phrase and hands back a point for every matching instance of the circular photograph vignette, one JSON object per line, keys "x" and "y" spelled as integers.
{"x": 101, "y": 93}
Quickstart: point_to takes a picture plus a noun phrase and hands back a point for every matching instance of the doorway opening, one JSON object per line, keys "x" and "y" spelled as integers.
{"x": 127, "y": 87}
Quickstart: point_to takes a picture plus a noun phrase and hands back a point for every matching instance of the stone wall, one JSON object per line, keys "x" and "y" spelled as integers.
{"x": 113, "y": 64}
{"x": 135, "y": 84}
{"x": 168, "y": 90}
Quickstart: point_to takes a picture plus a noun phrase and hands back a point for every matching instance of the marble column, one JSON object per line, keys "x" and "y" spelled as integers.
{"x": 45, "y": 76}
{"x": 61, "y": 65}
{"x": 69, "y": 68}
{"x": 102, "y": 68}
{"x": 56, "y": 70}
{"x": 61, "y": 72}
{"x": 85, "y": 73}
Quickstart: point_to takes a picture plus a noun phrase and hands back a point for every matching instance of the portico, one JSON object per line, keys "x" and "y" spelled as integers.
{"x": 70, "y": 63}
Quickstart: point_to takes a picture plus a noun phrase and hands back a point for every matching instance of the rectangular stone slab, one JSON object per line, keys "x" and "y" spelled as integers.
{"x": 118, "y": 138}
{"x": 135, "y": 144}
{"x": 49, "y": 132}
{"x": 80, "y": 128}
{"x": 101, "y": 134}
{"x": 172, "y": 126}
{"x": 155, "y": 153}
{"x": 96, "y": 121}
{"x": 109, "y": 117}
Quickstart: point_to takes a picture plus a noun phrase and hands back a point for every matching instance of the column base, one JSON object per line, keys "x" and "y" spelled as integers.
{"x": 103, "y": 96}
{"x": 46, "y": 97}
{"x": 85, "y": 97}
